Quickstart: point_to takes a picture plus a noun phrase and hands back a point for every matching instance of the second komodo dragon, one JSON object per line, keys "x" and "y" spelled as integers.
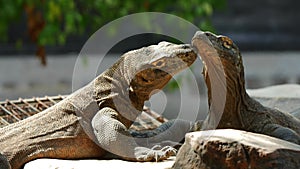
{"x": 97, "y": 117}
{"x": 230, "y": 106}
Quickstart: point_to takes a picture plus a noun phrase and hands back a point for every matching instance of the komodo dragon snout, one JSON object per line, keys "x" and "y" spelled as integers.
{"x": 172, "y": 58}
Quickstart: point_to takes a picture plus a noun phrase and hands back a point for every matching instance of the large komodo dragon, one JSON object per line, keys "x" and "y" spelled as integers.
{"x": 98, "y": 116}
{"x": 229, "y": 104}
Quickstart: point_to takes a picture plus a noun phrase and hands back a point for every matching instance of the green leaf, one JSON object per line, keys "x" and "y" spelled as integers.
{"x": 207, "y": 26}
{"x": 54, "y": 11}
{"x": 208, "y": 9}
{"x": 69, "y": 24}
{"x": 48, "y": 35}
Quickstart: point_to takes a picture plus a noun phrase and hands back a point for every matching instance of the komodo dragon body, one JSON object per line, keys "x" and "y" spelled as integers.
{"x": 95, "y": 119}
{"x": 224, "y": 77}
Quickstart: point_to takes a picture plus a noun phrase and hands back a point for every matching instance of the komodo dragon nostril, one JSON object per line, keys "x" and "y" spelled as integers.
{"x": 159, "y": 63}
{"x": 186, "y": 46}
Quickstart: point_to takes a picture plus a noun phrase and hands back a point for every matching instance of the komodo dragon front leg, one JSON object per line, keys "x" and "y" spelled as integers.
{"x": 149, "y": 71}
{"x": 114, "y": 137}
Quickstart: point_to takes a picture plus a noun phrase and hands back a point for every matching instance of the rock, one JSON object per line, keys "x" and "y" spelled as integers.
{"x": 234, "y": 149}
{"x": 283, "y": 91}
{"x": 285, "y": 98}
{"x": 281, "y": 103}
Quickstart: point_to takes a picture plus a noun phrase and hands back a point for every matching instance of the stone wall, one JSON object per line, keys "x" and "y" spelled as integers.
{"x": 261, "y": 24}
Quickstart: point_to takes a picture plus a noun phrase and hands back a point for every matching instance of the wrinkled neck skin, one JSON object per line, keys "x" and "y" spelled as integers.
{"x": 124, "y": 88}
{"x": 228, "y": 114}
{"x": 141, "y": 91}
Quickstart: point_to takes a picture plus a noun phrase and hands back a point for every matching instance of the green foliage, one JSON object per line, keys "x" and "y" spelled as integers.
{"x": 63, "y": 18}
{"x": 9, "y": 11}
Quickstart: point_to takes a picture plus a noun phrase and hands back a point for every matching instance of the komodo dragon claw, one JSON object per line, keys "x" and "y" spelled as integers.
{"x": 155, "y": 154}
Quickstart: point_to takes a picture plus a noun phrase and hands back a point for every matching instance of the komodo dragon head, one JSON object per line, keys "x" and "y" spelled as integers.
{"x": 140, "y": 73}
{"x": 224, "y": 76}
{"x": 219, "y": 52}
{"x": 151, "y": 68}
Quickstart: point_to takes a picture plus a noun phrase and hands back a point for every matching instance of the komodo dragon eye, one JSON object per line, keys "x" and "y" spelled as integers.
{"x": 159, "y": 63}
{"x": 227, "y": 43}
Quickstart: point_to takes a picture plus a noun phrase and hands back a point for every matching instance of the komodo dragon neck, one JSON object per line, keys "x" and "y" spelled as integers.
{"x": 127, "y": 93}
{"x": 123, "y": 84}
{"x": 236, "y": 97}
{"x": 225, "y": 82}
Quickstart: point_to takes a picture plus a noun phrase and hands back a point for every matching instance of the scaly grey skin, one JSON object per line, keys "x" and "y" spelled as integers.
{"x": 224, "y": 77}
{"x": 96, "y": 118}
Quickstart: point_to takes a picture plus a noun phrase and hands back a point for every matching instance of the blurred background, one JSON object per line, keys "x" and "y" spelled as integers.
{"x": 40, "y": 42}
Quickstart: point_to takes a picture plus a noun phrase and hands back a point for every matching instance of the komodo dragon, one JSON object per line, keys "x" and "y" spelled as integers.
{"x": 96, "y": 117}
{"x": 224, "y": 77}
